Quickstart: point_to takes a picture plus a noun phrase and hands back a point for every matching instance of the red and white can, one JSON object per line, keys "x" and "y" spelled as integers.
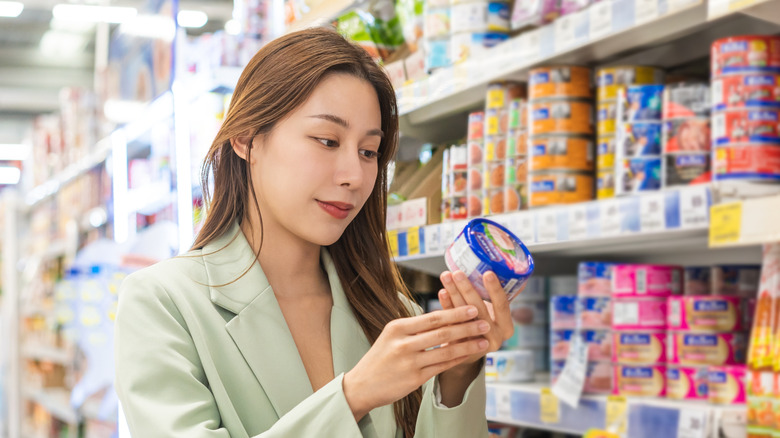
{"x": 746, "y": 90}
{"x": 752, "y": 161}
{"x": 746, "y": 126}
{"x": 745, "y": 54}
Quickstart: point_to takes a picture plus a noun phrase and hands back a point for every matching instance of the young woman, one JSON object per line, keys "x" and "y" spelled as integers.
{"x": 285, "y": 319}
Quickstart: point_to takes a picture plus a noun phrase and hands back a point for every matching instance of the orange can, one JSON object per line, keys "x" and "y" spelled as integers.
{"x": 475, "y": 203}
{"x": 559, "y": 187}
{"x": 561, "y": 116}
{"x": 561, "y": 153}
{"x": 495, "y": 173}
{"x": 612, "y": 79}
{"x": 494, "y": 201}
{"x": 559, "y": 81}
{"x": 516, "y": 197}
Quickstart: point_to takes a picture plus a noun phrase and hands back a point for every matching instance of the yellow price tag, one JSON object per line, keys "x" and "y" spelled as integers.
{"x": 549, "y": 407}
{"x": 413, "y": 240}
{"x": 594, "y": 433}
{"x": 392, "y": 238}
{"x": 740, "y": 4}
{"x": 725, "y": 223}
{"x": 617, "y": 414}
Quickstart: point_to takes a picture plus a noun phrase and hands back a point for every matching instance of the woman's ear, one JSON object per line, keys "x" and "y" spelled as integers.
{"x": 242, "y": 144}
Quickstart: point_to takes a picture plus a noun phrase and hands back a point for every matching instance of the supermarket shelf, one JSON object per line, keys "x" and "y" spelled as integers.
{"x": 56, "y": 401}
{"x": 747, "y": 222}
{"x": 150, "y": 198}
{"x": 519, "y": 404}
{"x": 46, "y": 354}
{"x": 324, "y": 12}
{"x": 767, "y": 10}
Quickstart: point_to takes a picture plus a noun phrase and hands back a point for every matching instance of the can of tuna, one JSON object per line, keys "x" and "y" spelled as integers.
{"x": 495, "y": 174}
{"x": 480, "y": 16}
{"x": 494, "y": 201}
{"x": 639, "y": 139}
{"x": 476, "y": 128}
{"x": 517, "y": 144}
{"x": 559, "y": 81}
{"x": 686, "y": 169}
{"x": 686, "y": 99}
{"x": 686, "y": 135}
{"x": 459, "y": 207}
{"x": 605, "y": 184}
{"x": 476, "y": 203}
{"x": 742, "y": 126}
{"x": 746, "y": 90}
{"x": 516, "y": 170}
{"x": 476, "y": 153}
{"x": 561, "y": 116}
{"x": 496, "y": 122}
{"x": 559, "y": 187}
{"x": 605, "y": 153}
{"x": 561, "y": 153}
{"x": 500, "y": 93}
{"x": 495, "y": 148}
{"x": 611, "y": 79}
{"x": 476, "y": 176}
{"x": 516, "y": 197}
{"x": 606, "y": 117}
{"x": 642, "y": 103}
{"x": 745, "y": 54}
{"x": 518, "y": 114}
{"x": 639, "y": 175}
{"x": 466, "y": 45}
{"x": 746, "y": 162}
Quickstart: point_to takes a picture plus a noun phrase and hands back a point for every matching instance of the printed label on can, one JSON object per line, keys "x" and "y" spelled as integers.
{"x": 746, "y": 162}
{"x": 746, "y": 90}
{"x": 686, "y": 169}
{"x": 686, "y": 135}
{"x": 562, "y": 153}
{"x": 745, "y": 54}
{"x": 561, "y": 117}
{"x": 686, "y": 100}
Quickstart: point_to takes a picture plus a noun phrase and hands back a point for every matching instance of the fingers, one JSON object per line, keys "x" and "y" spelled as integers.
{"x": 433, "y": 320}
{"x": 449, "y": 284}
{"x": 449, "y": 334}
{"x": 500, "y": 305}
{"x": 469, "y": 294}
{"x": 445, "y": 300}
{"x": 452, "y": 352}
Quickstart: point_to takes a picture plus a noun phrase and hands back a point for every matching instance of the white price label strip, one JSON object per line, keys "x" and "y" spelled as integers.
{"x": 433, "y": 239}
{"x": 526, "y": 226}
{"x": 447, "y": 235}
{"x": 610, "y": 218}
{"x": 532, "y": 45}
{"x": 548, "y": 226}
{"x": 652, "y": 213}
{"x": 694, "y": 207}
{"x": 578, "y": 223}
{"x": 564, "y": 32}
{"x": 568, "y": 387}
{"x": 503, "y": 402}
{"x": 645, "y": 10}
{"x": 693, "y": 424}
{"x": 600, "y": 19}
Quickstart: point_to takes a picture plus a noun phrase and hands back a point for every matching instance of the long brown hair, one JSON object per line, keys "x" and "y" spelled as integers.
{"x": 278, "y": 79}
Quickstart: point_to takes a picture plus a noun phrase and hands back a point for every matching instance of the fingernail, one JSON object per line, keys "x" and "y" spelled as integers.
{"x": 490, "y": 276}
{"x": 483, "y": 326}
{"x": 472, "y": 311}
{"x": 483, "y": 344}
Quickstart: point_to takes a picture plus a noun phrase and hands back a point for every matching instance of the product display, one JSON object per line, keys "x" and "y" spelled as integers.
{"x": 640, "y": 380}
{"x": 687, "y": 383}
{"x": 646, "y": 280}
{"x": 559, "y": 81}
{"x": 706, "y": 348}
{"x": 509, "y": 366}
{"x": 705, "y": 313}
{"x": 639, "y": 347}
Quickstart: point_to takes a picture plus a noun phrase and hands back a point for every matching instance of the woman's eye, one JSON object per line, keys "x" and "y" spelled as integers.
{"x": 370, "y": 154}
{"x": 328, "y": 142}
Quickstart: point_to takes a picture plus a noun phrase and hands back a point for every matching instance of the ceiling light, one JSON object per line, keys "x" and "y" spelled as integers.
{"x": 192, "y": 19}
{"x": 11, "y": 9}
{"x": 233, "y": 27}
{"x": 58, "y": 43}
{"x": 9, "y": 175}
{"x": 96, "y": 14}
{"x": 14, "y": 152}
{"x": 150, "y": 26}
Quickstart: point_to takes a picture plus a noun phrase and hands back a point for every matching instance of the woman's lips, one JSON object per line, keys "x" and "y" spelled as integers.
{"x": 339, "y": 210}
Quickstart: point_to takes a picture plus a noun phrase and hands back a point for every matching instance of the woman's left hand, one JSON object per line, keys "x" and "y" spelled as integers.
{"x": 458, "y": 291}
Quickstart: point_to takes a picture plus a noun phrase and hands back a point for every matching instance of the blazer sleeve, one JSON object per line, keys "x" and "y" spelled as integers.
{"x": 163, "y": 388}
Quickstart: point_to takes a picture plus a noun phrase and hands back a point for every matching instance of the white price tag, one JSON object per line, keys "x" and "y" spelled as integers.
{"x": 693, "y": 424}
{"x": 503, "y": 402}
{"x": 610, "y": 218}
{"x": 652, "y": 213}
{"x": 676, "y": 5}
{"x": 532, "y": 45}
{"x": 568, "y": 387}
{"x": 433, "y": 239}
{"x": 564, "y": 32}
{"x": 548, "y": 226}
{"x": 526, "y": 227}
{"x": 694, "y": 207}
{"x": 645, "y": 10}
{"x": 578, "y": 223}
{"x": 600, "y": 19}
{"x": 447, "y": 235}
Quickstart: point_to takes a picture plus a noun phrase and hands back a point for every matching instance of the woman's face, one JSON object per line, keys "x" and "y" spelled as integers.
{"x": 318, "y": 166}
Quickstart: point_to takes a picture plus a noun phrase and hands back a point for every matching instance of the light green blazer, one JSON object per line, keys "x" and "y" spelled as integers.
{"x": 198, "y": 361}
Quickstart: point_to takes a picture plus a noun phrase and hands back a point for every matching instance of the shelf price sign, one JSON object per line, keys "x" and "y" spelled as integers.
{"x": 725, "y": 223}
{"x": 413, "y": 240}
{"x": 549, "y": 407}
{"x": 617, "y": 415}
{"x": 392, "y": 237}
{"x": 693, "y": 423}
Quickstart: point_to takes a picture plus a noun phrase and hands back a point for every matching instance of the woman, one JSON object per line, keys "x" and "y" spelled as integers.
{"x": 284, "y": 319}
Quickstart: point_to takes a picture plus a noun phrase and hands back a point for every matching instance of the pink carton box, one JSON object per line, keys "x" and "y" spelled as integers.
{"x": 727, "y": 384}
{"x": 687, "y": 383}
{"x": 640, "y": 380}
{"x": 646, "y": 281}
{"x": 639, "y": 347}
{"x": 639, "y": 313}
{"x": 698, "y": 349}
{"x": 713, "y": 313}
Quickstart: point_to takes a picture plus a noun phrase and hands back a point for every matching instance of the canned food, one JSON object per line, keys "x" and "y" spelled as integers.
{"x": 476, "y": 153}
{"x": 516, "y": 196}
{"x": 559, "y": 81}
{"x": 686, "y": 135}
{"x": 516, "y": 171}
{"x": 743, "y": 126}
{"x": 466, "y": 45}
{"x": 495, "y": 174}
{"x": 605, "y": 184}
{"x": 559, "y": 187}
{"x": 494, "y": 201}
{"x": 611, "y": 79}
{"x": 476, "y": 203}
{"x": 640, "y": 175}
{"x": 476, "y": 177}
{"x": 459, "y": 182}
{"x": 606, "y": 118}
{"x": 640, "y": 380}
{"x": 499, "y": 94}
{"x": 642, "y": 102}
{"x": 686, "y": 100}
{"x": 560, "y": 116}
{"x": 495, "y": 149}
{"x": 686, "y": 169}
{"x": 746, "y": 90}
{"x": 459, "y": 207}
{"x": 476, "y": 129}
{"x": 518, "y": 114}
{"x": 606, "y": 154}
{"x": 740, "y": 162}
{"x": 517, "y": 144}
{"x": 480, "y": 17}
{"x": 640, "y": 139}
{"x": 496, "y": 122}
{"x": 687, "y": 383}
{"x": 745, "y": 54}
{"x": 561, "y": 153}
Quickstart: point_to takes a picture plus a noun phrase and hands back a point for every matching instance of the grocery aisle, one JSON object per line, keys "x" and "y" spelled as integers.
{"x": 632, "y": 145}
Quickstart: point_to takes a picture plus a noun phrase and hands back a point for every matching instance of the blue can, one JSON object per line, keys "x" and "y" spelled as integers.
{"x": 643, "y": 103}
{"x": 640, "y": 139}
{"x": 641, "y": 175}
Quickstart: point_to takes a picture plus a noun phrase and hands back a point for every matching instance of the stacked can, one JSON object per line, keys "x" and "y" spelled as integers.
{"x": 640, "y": 322}
{"x": 610, "y": 81}
{"x": 686, "y": 134}
{"x": 638, "y": 139}
{"x": 516, "y": 190}
{"x": 746, "y": 108}
{"x": 436, "y": 34}
{"x": 475, "y": 171}
{"x": 456, "y": 177}
{"x": 477, "y": 25}
{"x": 497, "y": 105}
{"x": 560, "y": 130}
{"x": 529, "y": 312}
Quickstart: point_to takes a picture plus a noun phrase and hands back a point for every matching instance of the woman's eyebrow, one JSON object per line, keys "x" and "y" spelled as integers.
{"x": 343, "y": 123}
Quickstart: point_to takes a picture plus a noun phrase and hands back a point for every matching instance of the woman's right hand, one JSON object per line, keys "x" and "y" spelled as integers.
{"x": 401, "y": 359}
